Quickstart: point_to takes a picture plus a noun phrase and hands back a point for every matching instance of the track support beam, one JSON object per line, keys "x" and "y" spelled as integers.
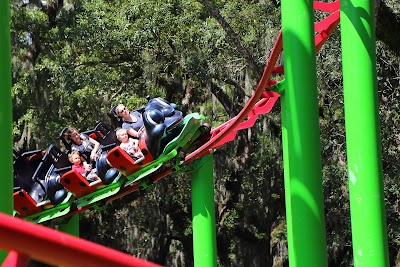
{"x": 71, "y": 227}
{"x": 6, "y": 163}
{"x": 203, "y": 213}
{"x": 301, "y": 138}
{"x": 364, "y": 160}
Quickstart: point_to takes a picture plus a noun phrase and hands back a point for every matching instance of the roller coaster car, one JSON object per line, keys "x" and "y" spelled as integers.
{"x": 158, "y": 122}
{"x": 165, "y": 133}
{"x": 46, "y": 187}
{"x": 111, "y": 180}
{"x": 24, "y": 167}
{"x": 27, "y": 193}
{"x": 34, "y": 199}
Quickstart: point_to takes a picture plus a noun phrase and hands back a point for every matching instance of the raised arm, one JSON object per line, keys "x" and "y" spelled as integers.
{"x": 133, "y": 133}
{"x": 96, "y": 144}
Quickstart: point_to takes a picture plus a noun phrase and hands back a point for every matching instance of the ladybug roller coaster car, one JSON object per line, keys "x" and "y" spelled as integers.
{"x": 38, "y": 200}
{"x": 32, "y": 199}
{"x": 54, "y": 189}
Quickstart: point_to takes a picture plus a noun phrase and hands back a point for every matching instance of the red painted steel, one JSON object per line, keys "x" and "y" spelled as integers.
{"x": 327, "y": 28}
{"x": 15, "y": 259}
{"x": 327, "y": 7}
{"x": 262, "y": 85}
{"x": 53, "y": 247}
{"x": 261, "y": 107}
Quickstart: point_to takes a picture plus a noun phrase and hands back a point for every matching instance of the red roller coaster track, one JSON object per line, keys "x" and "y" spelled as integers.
{"x": 58, "y": 248}
{"x": 261, "y": 101}
{"x": 53, "y": 247}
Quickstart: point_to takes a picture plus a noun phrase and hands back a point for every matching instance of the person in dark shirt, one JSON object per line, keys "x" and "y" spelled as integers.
{"x": 131, "y": 121}
{"x": 86, "y": 145}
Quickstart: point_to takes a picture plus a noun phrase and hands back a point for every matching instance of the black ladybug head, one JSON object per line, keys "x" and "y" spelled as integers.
{"x": 153, "y": 117}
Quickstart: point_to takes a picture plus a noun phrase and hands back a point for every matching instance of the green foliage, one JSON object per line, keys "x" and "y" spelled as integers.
{"x": 279, "y": 233}
{"x": 73, "y": 62}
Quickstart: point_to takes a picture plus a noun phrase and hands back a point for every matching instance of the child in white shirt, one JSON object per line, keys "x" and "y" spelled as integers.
{"x": 130, "y": 145}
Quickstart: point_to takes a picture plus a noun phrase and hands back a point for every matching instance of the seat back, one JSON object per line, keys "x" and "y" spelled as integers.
{"x": 30, "y": 169}
{"x": 39, "y": 176}
{"x": 25, "y": 166}
{"x": 59, "y": 158}
{"x": 66, "y": 142}
{"x": 115, "y": 119}
{"x": 106, "y": 136}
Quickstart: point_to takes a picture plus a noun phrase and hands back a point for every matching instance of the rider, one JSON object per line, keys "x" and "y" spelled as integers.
{"x": 131, "y": 121}
{"x": 86, "y": 145}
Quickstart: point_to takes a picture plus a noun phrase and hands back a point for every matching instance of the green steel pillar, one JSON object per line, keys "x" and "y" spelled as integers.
{"x": 71, "y": 227}
{"x": 367, "y": 209}
{"x": 6, "y": 158}
{"x": 203, "y": 213}
{"x": 301, "y": 138}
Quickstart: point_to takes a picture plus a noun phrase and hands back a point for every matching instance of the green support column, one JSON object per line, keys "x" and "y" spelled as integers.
{"x": 6, "y": 158}
{"x": 367, "y": 208}
{"x": 71, "y": 227}
{"x": 301, "y": 138}
{"x": 203, "y": 213}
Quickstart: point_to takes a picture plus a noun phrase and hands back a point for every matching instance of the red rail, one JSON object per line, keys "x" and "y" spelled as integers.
{"x": 53, "y": 247}
{"x": 233, "y": 123}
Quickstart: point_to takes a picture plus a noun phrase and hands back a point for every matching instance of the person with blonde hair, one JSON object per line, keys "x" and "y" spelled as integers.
{"x": 131, "y": 121}
{"x": 130, "y": 145}
{"x": 82, "y": 166}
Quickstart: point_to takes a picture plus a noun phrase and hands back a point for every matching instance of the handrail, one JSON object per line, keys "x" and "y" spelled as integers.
{"x": 57, "y": 248}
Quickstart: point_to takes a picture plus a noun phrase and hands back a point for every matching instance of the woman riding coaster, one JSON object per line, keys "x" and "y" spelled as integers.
{"x": 131, "y": 121}
{"x": 86, "y": 145}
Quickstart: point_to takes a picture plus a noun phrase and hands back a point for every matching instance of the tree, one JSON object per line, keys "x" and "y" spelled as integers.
{"x": 73, "y": 60}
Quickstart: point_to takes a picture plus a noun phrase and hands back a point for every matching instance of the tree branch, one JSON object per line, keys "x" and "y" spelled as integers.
{"x": 232, "y": 108}
{"x": 276, "y": 3}
{"x": 234, "y": 38}
{"x": 229, "y": 81}
{"x": 388, "y": 27}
